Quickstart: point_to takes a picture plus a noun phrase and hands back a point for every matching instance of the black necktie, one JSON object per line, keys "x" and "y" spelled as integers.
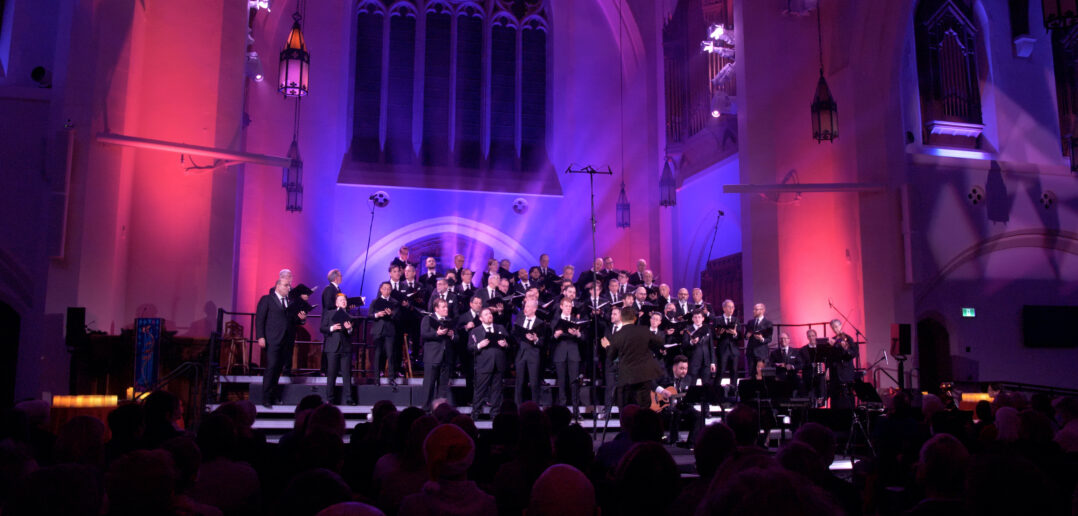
{"x": 284, "y": 303}
{"x": 528, "y": 324}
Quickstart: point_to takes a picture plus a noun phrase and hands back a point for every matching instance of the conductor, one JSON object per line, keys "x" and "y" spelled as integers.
{"x": 637, "y": 367}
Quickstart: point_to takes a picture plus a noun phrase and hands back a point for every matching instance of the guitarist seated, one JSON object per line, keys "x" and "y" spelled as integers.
{"x": 666, "y": 400}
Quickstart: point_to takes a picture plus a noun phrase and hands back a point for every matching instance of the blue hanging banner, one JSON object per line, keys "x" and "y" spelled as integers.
{"x": 147, "y": 350}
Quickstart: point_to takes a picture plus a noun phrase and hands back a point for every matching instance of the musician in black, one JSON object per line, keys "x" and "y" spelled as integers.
{"x": 467, "y": 320}
{"x": 430, "y": 276}
{"x": 613, "y": 291}
{"x": 813, "y": 359}
{"x": 547, "y": 271}
{"x": 441, "y": 291}
{"x": 591, "y": 276}
{"x": 567, "y": 338}
{"x": 402, "y": 258}
{"x": 683, "y": 305}
{"x": 465, "y": 289}
{"x": 530, "y": 335}
{"x": 458, "y": 266}
{"x": 697, "y": 341}
{"x": 436, "y": 330}
{"x": 728, "y": 338}
{"x": 637, "y": 278}
{"x": 610, "y": 367}
{"x": 642, "y": 306}
{"x": 664, "y": 295}
{"x": 489, "y": 293}
{"x": 656, "y": 327}
{"x": 671, "y": 390}
{"x": 595, "y": 308}
{"x": 329, "y": 295}
{"x": 337, "y": 346}
{"x": 637, "y": 369}
{"x": 386, "y": 314}
{"x": 785, "y": 360}
{"x": 701, "y": 305}
{"x": 624, "y": 287}
{"x": 504, "y": 305}
{"x": 275, "y": 329}
{"x": 840, "y": 367}
{"x": 488, "y": 342}
{"x": 758, "y": 333}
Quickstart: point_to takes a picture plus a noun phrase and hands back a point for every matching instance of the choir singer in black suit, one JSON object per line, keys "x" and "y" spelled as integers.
{"x": 637, "y": 367}
{"x": 488, "y": 342}
{"x": 386, "y": 312}
{"x": 566, "y": 355}
{"x": 437, "y": 334}
{"x": 728, "y": 338}
{"x": 337, "y": 346}
{"x": 697, "y": 341}
{"x": 275, "y": 328}
{"x": 329, "y": 294}
{"x": 530, "y": 336}
{"x": 758, "y": 332}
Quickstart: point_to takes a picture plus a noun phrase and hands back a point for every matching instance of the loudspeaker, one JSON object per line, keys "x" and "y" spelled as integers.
{"x": 901, "y": 339}
{"x": 75, "y": 335}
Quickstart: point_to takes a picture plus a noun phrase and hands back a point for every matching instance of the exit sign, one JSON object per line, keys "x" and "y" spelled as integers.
{"x": 969, "y": 312}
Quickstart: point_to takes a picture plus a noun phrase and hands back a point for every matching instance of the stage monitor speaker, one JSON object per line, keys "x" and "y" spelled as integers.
{"x": 75, "y": 334}
{"x": 901, "y": 339}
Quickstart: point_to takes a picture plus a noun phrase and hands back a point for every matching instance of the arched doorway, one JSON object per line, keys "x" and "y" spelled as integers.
{"x": 933, "y": 354}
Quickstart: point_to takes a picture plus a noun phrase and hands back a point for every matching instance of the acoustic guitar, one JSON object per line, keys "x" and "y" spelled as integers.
{"x": 657, "y": 401}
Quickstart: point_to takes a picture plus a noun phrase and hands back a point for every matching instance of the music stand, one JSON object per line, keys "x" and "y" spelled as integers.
{"x": 866, "y": 394}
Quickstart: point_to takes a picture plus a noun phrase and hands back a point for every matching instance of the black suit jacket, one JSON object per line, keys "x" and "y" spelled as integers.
{"x": 808, "y": 356}
{"x": 337, "y": 341}
{"x": 384, "y": 326}
{"x": 434, "y": 345}
{"x": 753, "y": 346}
{"x": 329, "y": 298}
{"x": 484, "y": 294}
{"x": 430, "y": 282}
{"x": 525, "y": 347}
{"x": 791, "y": 358}
{"x": 273, "y": 322}
{"x": 450, "y": 299}
{"x": 703, "y": 347}
{"x": 632, "y": 346}
{"x": 726, "y": 343}
{"x": 491, "y": 356}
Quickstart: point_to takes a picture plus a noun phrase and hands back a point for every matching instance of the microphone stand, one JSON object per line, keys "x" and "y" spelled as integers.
{"x": 714, "y": 236}
{"x": 367, "y": 254}
{"x": 592, "y": 172}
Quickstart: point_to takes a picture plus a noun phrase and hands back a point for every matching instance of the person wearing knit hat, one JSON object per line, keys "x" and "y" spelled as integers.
{"x": 562, "y": 490}
{"x": 449, "y": 452}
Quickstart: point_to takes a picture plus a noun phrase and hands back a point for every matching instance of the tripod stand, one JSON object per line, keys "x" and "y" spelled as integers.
{"x": 857, "y": 388}
{"x": 592, "y": 172}
{"x": 855, "y": 425}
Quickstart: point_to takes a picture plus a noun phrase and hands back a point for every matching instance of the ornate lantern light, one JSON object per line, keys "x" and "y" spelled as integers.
{"x": 295, "y": 63}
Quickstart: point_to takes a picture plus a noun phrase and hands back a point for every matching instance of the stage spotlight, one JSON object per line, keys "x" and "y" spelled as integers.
{"x": 41, "y": 76}
{"x": 254, "y": 66}
{"x": 520, "y": 205}
{"x": 380, "y": 198}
